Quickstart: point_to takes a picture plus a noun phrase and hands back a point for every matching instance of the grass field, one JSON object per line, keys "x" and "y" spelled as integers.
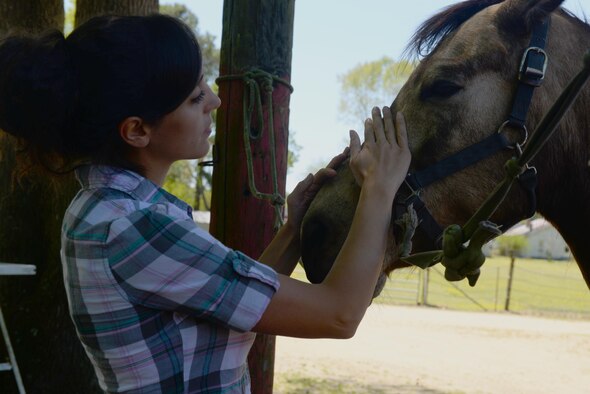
{"x": 539, "y": 287}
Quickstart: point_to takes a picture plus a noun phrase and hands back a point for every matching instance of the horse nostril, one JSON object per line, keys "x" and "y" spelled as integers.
{"x": 313, "y": 246}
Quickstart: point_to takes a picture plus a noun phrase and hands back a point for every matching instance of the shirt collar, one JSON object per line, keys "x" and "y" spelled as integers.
{"x": 127, "y": 181}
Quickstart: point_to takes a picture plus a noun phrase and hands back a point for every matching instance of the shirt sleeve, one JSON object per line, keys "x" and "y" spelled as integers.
{"x": 163, "y": 262}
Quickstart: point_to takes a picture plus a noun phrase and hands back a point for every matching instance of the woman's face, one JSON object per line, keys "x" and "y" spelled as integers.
{"x": 183, "y": 133}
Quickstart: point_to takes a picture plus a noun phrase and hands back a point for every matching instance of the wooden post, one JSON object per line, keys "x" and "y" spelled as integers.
{"x": 86, "y": 9}
{"x": 425, "y": 282}
{"x": 257, "y": 34}
{"x": 510, "y": 275}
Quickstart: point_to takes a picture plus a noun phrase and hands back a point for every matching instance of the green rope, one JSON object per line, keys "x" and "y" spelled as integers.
{"x": 255, "y": 81}
{"x": 463, "y": 261}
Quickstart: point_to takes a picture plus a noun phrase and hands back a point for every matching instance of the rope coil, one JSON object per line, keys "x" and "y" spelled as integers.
{"x": 255, "y": 81}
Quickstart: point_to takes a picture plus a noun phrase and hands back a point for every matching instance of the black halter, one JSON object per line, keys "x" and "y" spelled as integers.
{"x": 531, "y": 75}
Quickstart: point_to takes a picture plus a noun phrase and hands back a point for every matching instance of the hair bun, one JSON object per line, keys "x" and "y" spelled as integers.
{"x": 37, "y": 89}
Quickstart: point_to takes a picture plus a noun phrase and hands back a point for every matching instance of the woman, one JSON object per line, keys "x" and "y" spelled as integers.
{"x": 159, "y": 304}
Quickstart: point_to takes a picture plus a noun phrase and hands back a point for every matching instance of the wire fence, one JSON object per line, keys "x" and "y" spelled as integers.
{"x": 538, "y": 287}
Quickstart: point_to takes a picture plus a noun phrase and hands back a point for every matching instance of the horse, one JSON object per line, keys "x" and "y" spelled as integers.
{"x": 461, "y": 93}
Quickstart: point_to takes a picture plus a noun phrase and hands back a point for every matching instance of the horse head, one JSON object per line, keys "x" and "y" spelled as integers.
{"x": 461, "y": 92}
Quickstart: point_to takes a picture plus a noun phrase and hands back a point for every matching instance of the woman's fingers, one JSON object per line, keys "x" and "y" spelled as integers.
{"x": 302, "y": 186}
{"x": 323, "y": 175}
{"x": 339, "y": 159}
{"x": 355, "y": 143}
{"x": 388, "y": 123}
{"x": 378, "y": 126}
{"x": 400, "y": 131}
{"x": 369, "y": 133}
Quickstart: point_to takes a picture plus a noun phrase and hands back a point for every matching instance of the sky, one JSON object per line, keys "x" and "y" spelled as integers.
{"x": 330, "y": 38}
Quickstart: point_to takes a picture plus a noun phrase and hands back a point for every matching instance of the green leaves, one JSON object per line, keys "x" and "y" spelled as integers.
{"x": 371, "y": 84}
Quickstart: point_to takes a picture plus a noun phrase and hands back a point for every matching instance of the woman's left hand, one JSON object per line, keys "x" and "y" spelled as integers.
{"x": 302, "y": 195}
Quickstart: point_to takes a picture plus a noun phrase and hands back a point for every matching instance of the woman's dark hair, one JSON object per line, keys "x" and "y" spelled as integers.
{"x": 68, "y": 96}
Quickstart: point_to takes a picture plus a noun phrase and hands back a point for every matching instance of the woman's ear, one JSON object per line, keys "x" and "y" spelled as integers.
{"x": 135, "y": 132}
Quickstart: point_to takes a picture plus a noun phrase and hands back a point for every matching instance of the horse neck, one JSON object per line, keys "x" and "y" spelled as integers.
{"x": 564, "y": 163}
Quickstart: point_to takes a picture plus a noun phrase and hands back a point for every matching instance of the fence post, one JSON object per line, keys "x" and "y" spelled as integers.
{"x": 510, "y": 274}
{"x": 497, "y": 287}
{"x": 425, "y": 277}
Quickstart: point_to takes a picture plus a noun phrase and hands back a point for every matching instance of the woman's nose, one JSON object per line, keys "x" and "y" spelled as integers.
{"x": 215, "y": 102}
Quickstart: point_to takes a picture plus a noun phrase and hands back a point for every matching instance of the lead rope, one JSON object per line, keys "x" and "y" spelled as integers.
{"x": 464, "y": 261}
{"x": 254, "y": 80}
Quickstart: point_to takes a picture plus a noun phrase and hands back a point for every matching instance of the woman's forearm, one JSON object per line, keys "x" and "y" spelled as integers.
{"x": 284, "y": 251}
{"x": 335, "y": 307}
{"x": 358, "y": 265}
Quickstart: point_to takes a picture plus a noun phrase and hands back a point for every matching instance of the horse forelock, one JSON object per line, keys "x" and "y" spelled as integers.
{"x": 434, "y": 30}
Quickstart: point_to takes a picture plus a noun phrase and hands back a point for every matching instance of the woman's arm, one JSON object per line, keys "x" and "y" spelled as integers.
{"x": 335, "y": 307}
{"x": 284, "y": 251}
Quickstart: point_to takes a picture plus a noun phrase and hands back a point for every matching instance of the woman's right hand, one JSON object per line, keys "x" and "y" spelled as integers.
{"x": 384, "y": 158}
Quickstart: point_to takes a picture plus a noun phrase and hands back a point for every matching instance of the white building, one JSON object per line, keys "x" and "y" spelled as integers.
{"x": 202, "y": 218}
{"x": 544, "y": 242}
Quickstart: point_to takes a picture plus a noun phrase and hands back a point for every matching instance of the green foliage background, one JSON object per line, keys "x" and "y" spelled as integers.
{"x": 509, "y": 245}
{"x": 370, "y": 84}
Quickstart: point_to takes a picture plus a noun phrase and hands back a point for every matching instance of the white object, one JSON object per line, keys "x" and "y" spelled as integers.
{"x": 13, "y": 269}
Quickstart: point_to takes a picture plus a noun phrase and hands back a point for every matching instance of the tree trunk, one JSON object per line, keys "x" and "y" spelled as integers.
{"x": 257, "y": 34}
{"x": 35, "y": 308}
{"x": 49, "y": 354}
{"x": 86, "y": 9}
{"x": 31, "y": 15}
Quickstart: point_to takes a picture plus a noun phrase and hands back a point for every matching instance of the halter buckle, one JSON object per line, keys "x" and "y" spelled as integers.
{"x": 532, "y": 75}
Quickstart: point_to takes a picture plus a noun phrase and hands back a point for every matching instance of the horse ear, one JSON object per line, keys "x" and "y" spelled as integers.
{"x": 519, "y": 16}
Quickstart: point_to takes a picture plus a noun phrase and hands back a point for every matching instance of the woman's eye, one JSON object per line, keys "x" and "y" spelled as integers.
{"x": 199, "y": 98}
{"x": 440, "y": 89}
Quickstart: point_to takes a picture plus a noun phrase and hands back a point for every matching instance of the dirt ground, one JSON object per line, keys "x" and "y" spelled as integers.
{"x": 426, "y": 350}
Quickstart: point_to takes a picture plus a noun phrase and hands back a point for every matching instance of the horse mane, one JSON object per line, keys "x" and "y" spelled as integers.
{"x": 434, "y": 30}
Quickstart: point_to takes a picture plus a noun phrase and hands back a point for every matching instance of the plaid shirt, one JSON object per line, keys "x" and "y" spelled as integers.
{"x": 159, "y": 304}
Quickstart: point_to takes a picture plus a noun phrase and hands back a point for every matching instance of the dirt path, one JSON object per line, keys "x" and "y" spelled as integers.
{"x": 425, "y": 350}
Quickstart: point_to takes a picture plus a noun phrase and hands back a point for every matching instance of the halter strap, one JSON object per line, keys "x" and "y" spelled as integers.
{"x": 531, "y": 73}
{"x": 457, "y": 162}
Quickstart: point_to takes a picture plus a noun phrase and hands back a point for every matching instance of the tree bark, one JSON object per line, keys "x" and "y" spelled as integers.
{"x": 86, "y": 9}
{"x": 257, "y": 34}
{"x": 31, "y": 15}
{"x": 49, "y": 354}
{"x": 35, "y": 308}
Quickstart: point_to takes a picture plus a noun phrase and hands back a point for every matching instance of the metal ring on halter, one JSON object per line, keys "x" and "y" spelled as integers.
{"x": 522, "y": 127}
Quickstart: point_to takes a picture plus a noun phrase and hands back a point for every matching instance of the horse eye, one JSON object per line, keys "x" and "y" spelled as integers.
{"x": 440, "y": 89}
